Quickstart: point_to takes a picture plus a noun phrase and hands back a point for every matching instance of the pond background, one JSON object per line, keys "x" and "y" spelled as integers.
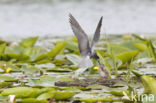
{"x": 25, "y": 18}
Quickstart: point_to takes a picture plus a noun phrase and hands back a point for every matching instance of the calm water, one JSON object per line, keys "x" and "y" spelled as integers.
{"x": 50, "y": 17}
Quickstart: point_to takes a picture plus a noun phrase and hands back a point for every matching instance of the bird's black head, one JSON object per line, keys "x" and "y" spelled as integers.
{"x": 94, "y": 55}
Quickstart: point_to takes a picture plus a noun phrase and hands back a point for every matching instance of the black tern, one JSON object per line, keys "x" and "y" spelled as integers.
{"x": 86, "y": 50}
{"x": 83, "y": 40}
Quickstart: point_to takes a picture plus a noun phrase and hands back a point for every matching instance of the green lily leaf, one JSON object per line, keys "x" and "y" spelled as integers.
{"x": 48, "y": 81}
{"x": 13, "y": 68}
{"x": 28, "y": 42}
{"x": 75, "y": 59}
{"x": 51, "y": 54}
{"x": 18, "y": 53}
{"x": 136, "y": 74}
{"x": 4, "y": 42}
{"x": 28, "y": 69}
{"x": 75, "y": 88}
{"x": 41, "y": 57}
{"x": 151, "y": 50}
{"x": 32, "y": 100}
{"x": 44, "y": 90}
{"x": 45, "y": 96}
{"x": 59, "y": 95}
{"x": 45, "y": 81}
{"x": 6, "y": 78}
{"x": 71, "y": 67}
{"x": 93, "y": 100}
{"x": 119, "y": 93}
{"x": 5, "y": 84}
{"x": 116, "y": 48}
{"x": 18, "y": 57}
{"x": 127, "y": 56}
{"x": 65, "y": 79}
{"x": 15, "y": 50}
{"x": 34, "y": 52}
{"x": 20, "y": 92}
{"x": 58, "y": 70}
{"x": 130, "y": 44}
{"x": 3, "y": 99}
{"x": 56, "y": 50}
{"x": 27, "y": 51}
{"x": 2, "y": 48}
{"x": 59, "y": 62}
{"x": 43, "y": 61}
{"x": 149, "y": 84}
{"x": 71, "y": 45}
{"x": 141, "y": 46}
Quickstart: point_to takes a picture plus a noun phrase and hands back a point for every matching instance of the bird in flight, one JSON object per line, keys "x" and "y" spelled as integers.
{"x": 85, "y": 49}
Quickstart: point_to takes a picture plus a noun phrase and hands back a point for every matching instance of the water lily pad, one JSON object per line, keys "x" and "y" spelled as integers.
{"x": 41, "y": 57}
{"x": 75, "y": 59}
{"x": 52, "y": 53}
{"x": 32, "y": 100}
{"x": 72, "y": 67}
{"x": 19, "y": 57}
{"x": 45, "y": 81}
{"x": 28, "y": 69}
{"x": 59, "y": 95}
{"x": 71, "y": 46}
{"x": 58, "y": 70}
{"x": 20, "y": 92}
{"x": 130, "y": 44}
{"x": 44, "y": 90}
{"x": 5, "y": 84}
{"x": 151, "y": 50}
{"x": 93, "y": 100}
{"x": 56, "y": 50}
{"x": 80, "y": 88}
{"x": 28, "y": 42}
{"x": 48, "y": 81}
{"x": 149, "y": 84}
{"x": 141, "y": 46}
{"x": 2, "y": 48}
{"x": 119, "y": 93}
{"x": 116, "y": 48}
{"x": 65, "y": 78}
{"x": 46, "y": 96}
{"x": 6, "y": 78}
{"x": 127, "y": 56}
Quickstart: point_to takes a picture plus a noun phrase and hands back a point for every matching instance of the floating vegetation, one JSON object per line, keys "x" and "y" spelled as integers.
{"x": 32, "y": 73}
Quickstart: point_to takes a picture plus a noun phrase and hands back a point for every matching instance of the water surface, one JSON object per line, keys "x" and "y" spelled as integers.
{"x": 50, "y": 17}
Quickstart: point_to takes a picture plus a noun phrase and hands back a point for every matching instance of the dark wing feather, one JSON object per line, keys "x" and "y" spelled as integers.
{"x": 81, "y": 36}
{"x": 97, "y": 33}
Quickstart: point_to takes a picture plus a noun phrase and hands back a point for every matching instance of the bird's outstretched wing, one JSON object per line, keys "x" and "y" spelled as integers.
{"x": 81, "y": 36}
{"x": 97, "y": 34}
